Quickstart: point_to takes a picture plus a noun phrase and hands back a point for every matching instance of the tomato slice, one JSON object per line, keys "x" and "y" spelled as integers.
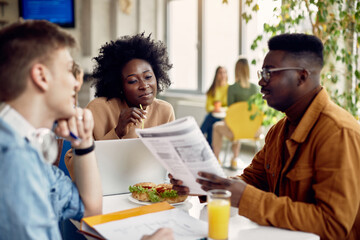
{"x": 160, "y": 189}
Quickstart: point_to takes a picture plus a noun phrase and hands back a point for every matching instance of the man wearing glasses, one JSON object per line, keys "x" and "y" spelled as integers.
{"x": 306, "y": 177}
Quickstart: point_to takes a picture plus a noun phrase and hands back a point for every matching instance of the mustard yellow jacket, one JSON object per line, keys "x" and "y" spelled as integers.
{"x": 319, "y": 186}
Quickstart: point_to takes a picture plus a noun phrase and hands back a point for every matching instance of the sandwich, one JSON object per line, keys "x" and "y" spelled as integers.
{"x": 140, "y": 191}
{"x": 150, "y": 192}
{"x": 168, "y": 194}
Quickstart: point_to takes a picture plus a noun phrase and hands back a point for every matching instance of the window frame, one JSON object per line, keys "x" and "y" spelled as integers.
{"x": 201, "y": 88}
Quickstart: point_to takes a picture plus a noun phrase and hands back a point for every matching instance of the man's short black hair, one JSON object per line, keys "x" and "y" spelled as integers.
{"x": 299, "y": 44}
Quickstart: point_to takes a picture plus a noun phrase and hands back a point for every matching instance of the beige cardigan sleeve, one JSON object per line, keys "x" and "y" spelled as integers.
{"x": 106, "y": 115}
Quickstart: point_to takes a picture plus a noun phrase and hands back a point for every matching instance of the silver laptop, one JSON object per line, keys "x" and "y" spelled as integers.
{"x": 125, "y": 162}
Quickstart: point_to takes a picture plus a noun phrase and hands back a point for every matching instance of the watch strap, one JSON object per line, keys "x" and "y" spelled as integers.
{"x": 83, "y": 151}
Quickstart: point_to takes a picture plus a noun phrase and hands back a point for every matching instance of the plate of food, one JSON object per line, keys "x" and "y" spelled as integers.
{"x": 146, "y": 193}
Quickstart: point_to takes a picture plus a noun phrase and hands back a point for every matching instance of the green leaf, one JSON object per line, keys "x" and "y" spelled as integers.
{"x": 255, "y": 8}
{"x": 169, "y": 194}
{"x": 153, "y": 196}
{"x": 337, "y": 24}
{"x": 357, "y": 74}
{"x": 248, "y": 2}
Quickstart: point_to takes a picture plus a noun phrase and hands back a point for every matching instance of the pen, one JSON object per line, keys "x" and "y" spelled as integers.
{"x": 71, "y": 133}
{"x": 74, "y": 136}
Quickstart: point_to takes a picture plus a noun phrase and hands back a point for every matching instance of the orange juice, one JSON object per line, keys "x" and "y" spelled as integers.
{"x": 219, "y": 214}
{"x": 217, "y": 106}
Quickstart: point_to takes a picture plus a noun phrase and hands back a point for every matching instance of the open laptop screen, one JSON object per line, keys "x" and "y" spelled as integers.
{"x": 125, "y": 162}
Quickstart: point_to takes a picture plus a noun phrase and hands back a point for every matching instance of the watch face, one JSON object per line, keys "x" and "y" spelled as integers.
{"x": 47, "y": 144}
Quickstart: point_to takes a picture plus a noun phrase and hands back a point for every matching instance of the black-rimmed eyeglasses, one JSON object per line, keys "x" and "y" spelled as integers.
{"x": 265, "y": 73}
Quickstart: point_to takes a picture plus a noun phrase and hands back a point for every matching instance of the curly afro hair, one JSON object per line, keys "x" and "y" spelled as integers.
{"x": 113, "y": 56}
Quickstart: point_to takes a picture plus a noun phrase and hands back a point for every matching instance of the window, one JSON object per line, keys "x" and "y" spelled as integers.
{"x": 199, "y": 41}
{"x": 220, "y": 39}
{"x": 255, "y": 27}
{"x": 182, "y": 44}
{"x": 203, "y": 34}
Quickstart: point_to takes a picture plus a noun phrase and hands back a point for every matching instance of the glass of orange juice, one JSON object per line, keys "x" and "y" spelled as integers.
{"x": 217, "y": 106}
{"x": 218, "y": 213}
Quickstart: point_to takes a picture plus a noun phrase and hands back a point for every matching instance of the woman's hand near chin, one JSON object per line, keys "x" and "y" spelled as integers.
{"x": 128, "y": 117}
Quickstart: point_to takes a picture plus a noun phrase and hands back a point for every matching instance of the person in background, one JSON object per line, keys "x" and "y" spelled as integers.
{"x": 216, "y": 97}
{"x": 128, "y": 75}
{"x": 35, "y": 76}
{"x": 241, "y": 90}
{"x": 306, "y": 177}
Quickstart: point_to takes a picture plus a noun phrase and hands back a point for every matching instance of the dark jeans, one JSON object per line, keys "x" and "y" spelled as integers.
{"x": 207, "y": 126}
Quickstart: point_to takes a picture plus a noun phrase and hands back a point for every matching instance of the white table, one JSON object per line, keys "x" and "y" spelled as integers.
{"x": 221, "y": 114}
{"x": 240, "y": 227}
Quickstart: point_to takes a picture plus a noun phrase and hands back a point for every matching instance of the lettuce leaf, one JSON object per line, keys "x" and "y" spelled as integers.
{"x": 138, "y": 189}
{"x": 169, "y": 194}
{"x": 153, "y": 196}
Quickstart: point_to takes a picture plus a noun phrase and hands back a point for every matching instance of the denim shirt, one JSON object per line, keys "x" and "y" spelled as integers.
{"x": 34, "y": 195}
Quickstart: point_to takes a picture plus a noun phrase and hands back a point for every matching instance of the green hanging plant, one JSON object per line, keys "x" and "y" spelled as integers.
{"x": 337, "y": 24}
{"x": 270, "y": 117}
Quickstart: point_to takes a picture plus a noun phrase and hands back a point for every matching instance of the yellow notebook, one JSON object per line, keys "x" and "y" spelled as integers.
{"x": 88, "y": 223}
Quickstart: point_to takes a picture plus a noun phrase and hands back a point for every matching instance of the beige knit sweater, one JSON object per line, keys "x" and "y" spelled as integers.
{"x": 106, "y": 115}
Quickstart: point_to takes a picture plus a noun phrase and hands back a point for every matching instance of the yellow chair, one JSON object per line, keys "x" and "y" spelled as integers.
{"x": 239, "y": 120}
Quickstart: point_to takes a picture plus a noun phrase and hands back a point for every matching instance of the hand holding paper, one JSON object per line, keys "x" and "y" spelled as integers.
{"x": 183, "y": 150}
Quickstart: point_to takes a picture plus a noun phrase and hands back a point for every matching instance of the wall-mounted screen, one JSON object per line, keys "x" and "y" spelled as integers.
{"x": 60, "y": 12}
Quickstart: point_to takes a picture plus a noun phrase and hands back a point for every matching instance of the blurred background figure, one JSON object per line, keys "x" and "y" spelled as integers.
{"x": 241, "y": 90}
{"x": 216, "y": 102}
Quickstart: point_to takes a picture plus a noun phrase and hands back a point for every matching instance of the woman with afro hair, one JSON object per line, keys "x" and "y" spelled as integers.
{"x": 128, "y": 74}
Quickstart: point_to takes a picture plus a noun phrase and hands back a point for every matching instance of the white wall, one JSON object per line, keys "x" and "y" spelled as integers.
{"x": 100, "y": 21}
{"x": 187, "y": 105}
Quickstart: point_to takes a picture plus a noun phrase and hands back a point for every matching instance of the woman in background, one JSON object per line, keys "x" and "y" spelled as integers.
{"x": 128, "y": 75}
{"x": 216, "y": 96}
{"x": 241, "y": 90}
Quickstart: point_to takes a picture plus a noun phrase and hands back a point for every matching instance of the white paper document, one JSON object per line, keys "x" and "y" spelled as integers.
{"x": 183, "y": 225}
{"x": 182, "y": 149}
